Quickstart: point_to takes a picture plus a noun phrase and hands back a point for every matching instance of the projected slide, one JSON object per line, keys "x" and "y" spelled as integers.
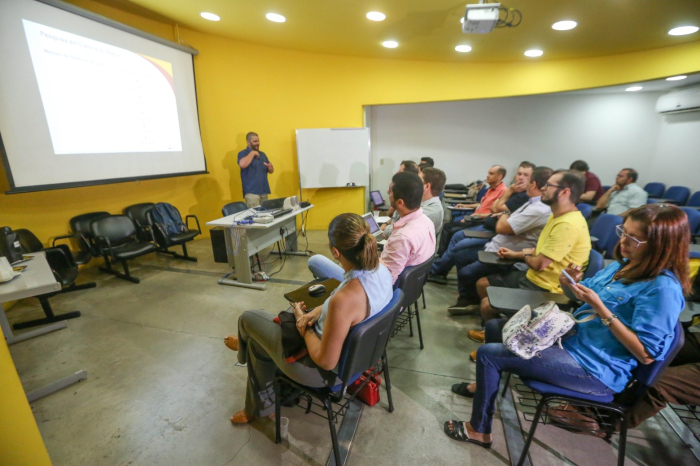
{"x": 102, "y": 99}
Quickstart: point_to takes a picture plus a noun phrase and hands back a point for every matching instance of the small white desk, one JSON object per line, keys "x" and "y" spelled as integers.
{"x": 244, "y": 241}
{"x": 37, "y": 279}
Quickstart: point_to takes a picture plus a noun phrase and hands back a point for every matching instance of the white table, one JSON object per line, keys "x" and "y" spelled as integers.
{"x": 244, "y": 241}
{"x": 37, "y": 279}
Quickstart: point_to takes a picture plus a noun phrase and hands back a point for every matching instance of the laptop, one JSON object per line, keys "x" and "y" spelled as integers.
{"x": 272, "y": 204}
{"x": 373, "y": 227}
{"x": 377, "y": 198}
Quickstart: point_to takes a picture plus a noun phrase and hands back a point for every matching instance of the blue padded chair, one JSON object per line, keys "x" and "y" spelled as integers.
{"x": 595, "y": 264}
{"x": 678, "y": 194}
{"x": 363, "y": 349}
{"x": 655, "y": 189}
{"x": 643, "y": 377}
{"x": 585, "y": 209}
{"x": 411, "y": 282}
{"x": 604, "y": 229}
{"x": 694, "y": 200}
{"x": 481, "y": 192}
{"x": 693, "y": 220}
{"x": 605, "y": 188}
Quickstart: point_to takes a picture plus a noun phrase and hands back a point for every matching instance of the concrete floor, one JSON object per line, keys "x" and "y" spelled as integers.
{"x": 162, "y": 385}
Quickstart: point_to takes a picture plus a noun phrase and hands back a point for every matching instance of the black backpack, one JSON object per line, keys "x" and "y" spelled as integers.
{"x": 168, "y": 217}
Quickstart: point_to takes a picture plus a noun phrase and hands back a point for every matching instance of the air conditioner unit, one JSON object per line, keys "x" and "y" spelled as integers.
{"x": 682, "y": 100}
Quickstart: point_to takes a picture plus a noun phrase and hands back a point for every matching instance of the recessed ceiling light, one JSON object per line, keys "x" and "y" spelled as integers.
{"x": 275, "y": 18}
{"x": 534, "y": 53}
{"x": 564, "y": 25}
{"x": 209, "y": 16}
{"x": 634, "y": 89}
{"x": 390, "y": 44}
{"x": 376, "y": 16}
{"x": 676, "y": 78}
{"x": 463, "y": 48}
{"x": 683, "y": 30}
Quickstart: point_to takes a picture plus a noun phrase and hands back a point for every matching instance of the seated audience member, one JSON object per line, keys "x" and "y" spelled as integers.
{"x": 516, "y": 231}
{"x": 483, "y": 209}
{"x": 433, "y": 184}
{"x": 564, "y": 240}
{"x": 426, "y": 162}
{"x": 624, "y": 195}
{"x": 364, "y": 291}
{"x": 412, "y": 241}
{"x": 515, "y": 196}
{"x": 593, "y": 190}
{"x": 637, "y": 301}
{"x": 405, "y": 166}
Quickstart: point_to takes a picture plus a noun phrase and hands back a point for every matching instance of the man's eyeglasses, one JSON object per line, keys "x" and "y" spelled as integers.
{"x": 622, "y": 234}
{"x": 550, "y": 185}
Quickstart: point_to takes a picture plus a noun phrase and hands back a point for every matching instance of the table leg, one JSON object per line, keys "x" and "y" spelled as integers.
{"x": 37, "y": 332}
{"x": 239, "y": 258}
{"x": 292, "y": 248}
{"x": 57, "y": 385}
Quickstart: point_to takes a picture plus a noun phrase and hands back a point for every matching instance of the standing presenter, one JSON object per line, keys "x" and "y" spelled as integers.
{"x": 254, "y": 169}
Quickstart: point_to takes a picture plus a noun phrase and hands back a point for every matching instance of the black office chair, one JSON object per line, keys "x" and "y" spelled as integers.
{"x": 138, "y": 213}
{"x": 616, "y": 407}
{"x": 233, "y": 208}
{"x": 411, "y": 282}
{"x": 116, "y": 236}
{"x": 364, "y": 348}
{"x": 80, "y": 226}
{"x": 65, "y": 271}
{"x": 165, "y": 239}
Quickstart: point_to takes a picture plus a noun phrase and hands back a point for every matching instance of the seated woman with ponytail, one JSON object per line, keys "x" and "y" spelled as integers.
{"x": 364, "y": 291}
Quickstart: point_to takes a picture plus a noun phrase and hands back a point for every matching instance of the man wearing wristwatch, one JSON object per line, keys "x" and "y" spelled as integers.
{"x": 565, "y": 240}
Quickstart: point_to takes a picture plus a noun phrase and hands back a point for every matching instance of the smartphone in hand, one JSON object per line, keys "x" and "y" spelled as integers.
{"x": 568, "y": 277}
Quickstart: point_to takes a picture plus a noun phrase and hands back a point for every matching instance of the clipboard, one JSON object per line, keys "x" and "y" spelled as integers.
{"x": 302, "y": 294}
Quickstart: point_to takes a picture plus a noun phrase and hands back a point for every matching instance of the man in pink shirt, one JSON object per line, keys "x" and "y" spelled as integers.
{"x": 412, "y": 241}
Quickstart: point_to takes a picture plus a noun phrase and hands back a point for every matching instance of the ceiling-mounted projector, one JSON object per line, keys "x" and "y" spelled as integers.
{"x": 480, "y": 18}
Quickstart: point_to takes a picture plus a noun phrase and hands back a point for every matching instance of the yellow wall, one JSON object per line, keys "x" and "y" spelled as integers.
{"x": 246, "y": 87}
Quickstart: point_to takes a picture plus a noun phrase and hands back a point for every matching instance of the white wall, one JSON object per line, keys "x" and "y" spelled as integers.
{"x": 609, "y": 131}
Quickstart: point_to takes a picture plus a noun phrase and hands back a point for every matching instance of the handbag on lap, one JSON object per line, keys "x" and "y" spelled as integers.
{"x": 531, "y": 331}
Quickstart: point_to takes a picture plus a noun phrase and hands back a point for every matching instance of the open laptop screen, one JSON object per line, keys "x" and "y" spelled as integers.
{"x": 373, "y": 227}
{"x": 377, "y": 198}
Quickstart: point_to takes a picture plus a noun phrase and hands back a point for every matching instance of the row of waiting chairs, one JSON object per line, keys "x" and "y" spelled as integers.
{"x": 679, "y": 195}
{"x": 120, "y": 238}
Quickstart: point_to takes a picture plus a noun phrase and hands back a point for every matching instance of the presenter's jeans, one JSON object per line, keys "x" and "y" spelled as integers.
{"x": 322, "y": 267}
{"x": 555, "y": 367}
{"x": 260, "y": 346}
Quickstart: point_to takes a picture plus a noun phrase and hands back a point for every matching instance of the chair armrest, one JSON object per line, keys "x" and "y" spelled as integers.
{"x": 103, "y": 239}
{"x": 196, "y": 220}
{"x": 59, "y": 257}
{"x": 72, "y": 235}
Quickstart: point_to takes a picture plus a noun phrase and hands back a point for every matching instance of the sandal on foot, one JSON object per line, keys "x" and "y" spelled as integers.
{"x": 455, "y": 430}
{"x": 231, "y": 342}
{"x": 240, "y": 418}
{"x": 462, "y": 390}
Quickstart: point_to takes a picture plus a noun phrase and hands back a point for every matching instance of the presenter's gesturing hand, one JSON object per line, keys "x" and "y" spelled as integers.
{"x": 269, "y": 166}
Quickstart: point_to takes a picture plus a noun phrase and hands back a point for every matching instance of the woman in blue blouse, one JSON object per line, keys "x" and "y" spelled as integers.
{"x": 638, "y": 300}
{"x": 365, "y": 290}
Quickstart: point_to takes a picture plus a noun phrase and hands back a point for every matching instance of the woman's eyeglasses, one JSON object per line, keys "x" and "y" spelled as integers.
{"x": 622, "y": 234}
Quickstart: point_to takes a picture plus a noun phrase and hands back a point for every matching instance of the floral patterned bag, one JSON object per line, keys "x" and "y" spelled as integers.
{"x": 530, "y": 331}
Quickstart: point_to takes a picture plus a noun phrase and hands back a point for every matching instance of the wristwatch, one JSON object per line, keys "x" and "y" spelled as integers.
{"x": 608, "y": 320}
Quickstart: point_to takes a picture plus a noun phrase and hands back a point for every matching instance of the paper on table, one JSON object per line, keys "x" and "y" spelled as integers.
{"x": 382, "y": 219}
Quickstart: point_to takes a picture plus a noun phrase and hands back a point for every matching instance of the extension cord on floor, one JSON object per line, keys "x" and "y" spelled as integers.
{"x": 260, "y": 277}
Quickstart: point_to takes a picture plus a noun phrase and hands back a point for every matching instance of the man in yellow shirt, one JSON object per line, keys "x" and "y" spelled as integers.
{"x": 564, "y": 240}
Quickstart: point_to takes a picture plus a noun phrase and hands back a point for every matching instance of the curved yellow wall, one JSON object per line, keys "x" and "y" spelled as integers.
{"x": 246, "y": 87}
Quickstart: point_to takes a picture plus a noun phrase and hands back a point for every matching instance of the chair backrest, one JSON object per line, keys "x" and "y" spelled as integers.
{"x": 693, "y": 219}
{"x": 604, "y": 229}
{"x": 411, "y": 281}
{"x": 233, "y": 208}
{"x": 366, "y": 342}
{"x": 605, "y": 188}
{"x": 138, "y": 213}
{"x": 585, "y": 209}
{"x": 595, "y": 264}
{"x": 80, "y": 224}
{"x": 117, "y": 229}
{"x": 694, "y": 199}
{"x": 679, "y": 194}
{"x": 646, "y": 375}
{"x": 28, "y": 241}
{"x": 655, "y": 189}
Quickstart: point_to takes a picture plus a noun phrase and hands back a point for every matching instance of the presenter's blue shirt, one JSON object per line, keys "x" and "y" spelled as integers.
{"x": 649, "y": 308}
{"x": 254, "y": 176}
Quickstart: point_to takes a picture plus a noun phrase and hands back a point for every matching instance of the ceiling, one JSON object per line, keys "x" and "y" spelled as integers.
{"x": 430, "y": 29}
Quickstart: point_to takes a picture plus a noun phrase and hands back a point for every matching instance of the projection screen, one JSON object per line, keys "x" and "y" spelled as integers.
{"x": 85, "y": 100}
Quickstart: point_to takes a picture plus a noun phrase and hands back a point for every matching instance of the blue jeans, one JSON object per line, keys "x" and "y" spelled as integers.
{"x": 555, "y": 367}
{"x": 468, "y": 275}
{"x": 460, "y": 248}
{"x": 323, "y": 267}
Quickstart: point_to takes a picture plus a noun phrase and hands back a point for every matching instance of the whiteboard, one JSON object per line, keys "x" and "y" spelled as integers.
{"x": 333, "y": 157}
